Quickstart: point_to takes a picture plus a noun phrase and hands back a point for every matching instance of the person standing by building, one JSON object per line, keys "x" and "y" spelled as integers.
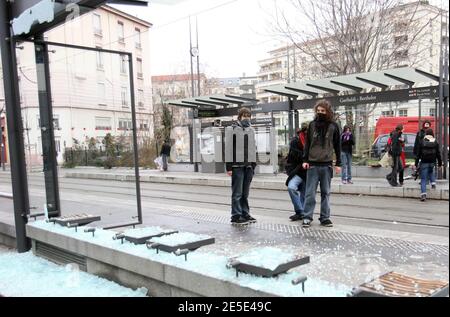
{"x": 323, "y": 140}
{"x": 395, "y": 150}
{"x": 296, "y": 181}
{"x": 347, "y": 143}
{"x": 428, "y": 153}
{"x": 241, "y": 168}
{"x": 165, "y": 154}
{"x": 419, "y": 137}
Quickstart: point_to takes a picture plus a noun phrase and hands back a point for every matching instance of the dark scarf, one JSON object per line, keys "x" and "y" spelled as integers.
{"x": 322, "y": 129}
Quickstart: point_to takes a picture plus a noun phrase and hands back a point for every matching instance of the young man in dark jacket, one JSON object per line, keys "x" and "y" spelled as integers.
{"x": 428, "y": 153}
{"x": 296, "y": 181}
{"x": 347, "y": 143}
{"x": 165, "y": 154}
{"x": 323, "y": 139}
{"x": 241, "y": 167}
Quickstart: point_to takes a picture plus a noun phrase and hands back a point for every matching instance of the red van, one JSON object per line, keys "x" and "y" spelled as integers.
{"x": 386, "y": 125}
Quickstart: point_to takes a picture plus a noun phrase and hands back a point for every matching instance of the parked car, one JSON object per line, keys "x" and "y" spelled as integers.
{"x": 379, "y": 145}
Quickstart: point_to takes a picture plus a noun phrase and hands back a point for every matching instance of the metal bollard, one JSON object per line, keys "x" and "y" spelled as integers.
{"x": 118, "y": 236}
{"x": 298, "y": 280}
{"x": 152, "y": 245}
{"x": 182, "y": 252}
{"x": 73, "y": 225}
{"x": 90, "y": 230}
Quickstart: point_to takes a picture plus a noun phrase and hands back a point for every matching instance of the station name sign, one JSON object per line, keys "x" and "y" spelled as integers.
{"x": 431, "y": 92}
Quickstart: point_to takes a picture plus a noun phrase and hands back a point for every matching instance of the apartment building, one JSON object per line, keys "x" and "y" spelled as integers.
{"x": 90, "y": 90}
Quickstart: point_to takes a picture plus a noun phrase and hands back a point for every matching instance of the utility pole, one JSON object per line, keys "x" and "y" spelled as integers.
{"x": 191, "y": 50}
{"x": 198, "y": 60}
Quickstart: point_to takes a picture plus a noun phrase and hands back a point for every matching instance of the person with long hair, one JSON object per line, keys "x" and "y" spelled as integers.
{"x": 322, "y": 141}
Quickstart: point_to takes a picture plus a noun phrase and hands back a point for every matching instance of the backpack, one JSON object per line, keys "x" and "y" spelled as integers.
{"x": 429, "y": 150}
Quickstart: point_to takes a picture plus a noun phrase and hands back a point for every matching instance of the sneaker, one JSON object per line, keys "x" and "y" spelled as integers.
{"x": 423, "y": 197}
{"x": 296, "y": 217}
{"x": 433, "y": 185}
{"x": 344, "y": 182}
{"x": 349, "y": 182}
{"x": 239, "y": 221}
{"x": 249, "y": 218}
{"x": 306, "y": 223}
{"x": 326, "y": 223}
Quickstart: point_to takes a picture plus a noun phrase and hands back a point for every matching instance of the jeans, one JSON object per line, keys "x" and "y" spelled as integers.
{"x": 397, "y": 167}
{"x": 426, "y": 174}
{"x": 296, "y": 189}
{"x": 240, "y": 184}
{"x": 164, "y": 160}
{"x": 346, "y": 159}
{"x": 316, "y": 174}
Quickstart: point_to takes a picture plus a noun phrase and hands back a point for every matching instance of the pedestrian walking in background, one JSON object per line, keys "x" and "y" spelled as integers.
{"x": 428, "y": 154}
{"x": 165, "y": 154}
{"x": 420, "y": 135}
{"x": 296, "y": 181}
{"x": 241, "y": 171}
{"x": 323, "y": 140}
{"x": 395, "y": 150}
{"x": 347, "y": 143}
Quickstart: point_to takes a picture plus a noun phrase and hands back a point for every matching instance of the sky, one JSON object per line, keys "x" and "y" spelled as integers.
{"x": 233, "y": 34}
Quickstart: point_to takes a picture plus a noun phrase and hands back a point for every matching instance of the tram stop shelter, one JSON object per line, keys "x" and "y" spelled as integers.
{"x": 391, "y": 85}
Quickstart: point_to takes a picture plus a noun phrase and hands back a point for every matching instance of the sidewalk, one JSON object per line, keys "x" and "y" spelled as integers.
{"x": 361, "y": 186}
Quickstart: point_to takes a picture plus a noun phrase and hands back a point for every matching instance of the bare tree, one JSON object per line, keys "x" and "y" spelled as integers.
{"x": 339, "y": 37}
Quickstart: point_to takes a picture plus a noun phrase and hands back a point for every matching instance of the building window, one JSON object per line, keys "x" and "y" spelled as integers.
{"x": 123, "y": 64}
{"x": 97, "y": 24}
{"x": 389, "y": 113}
{"x": 432, "y": 112}
{"x": 143, "y": 125}
{"x": 121, "y": 32}
{"x": 141, "y": 98}
{"x": 139, "y": 68}
{"x": 125, "y": 124}
{"x": 102, "y": 123}
{"x": 99, "y": 56}
{"x": 56, "y": 125}
{"x": 137, "y": 38}
{"x": 101, "y": 93}
{"x": 403, "y": 113}
{"x": 124, "y": 96}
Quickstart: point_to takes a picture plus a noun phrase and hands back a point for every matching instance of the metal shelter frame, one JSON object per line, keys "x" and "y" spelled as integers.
{"x": 21, "y": 13}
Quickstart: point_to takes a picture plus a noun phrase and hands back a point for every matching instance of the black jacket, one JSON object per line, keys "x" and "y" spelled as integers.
{"x": 422, "y": 157}
{"x": 419, "y": 137}
{"x": 347, "y": 146}
{"x": 396, "y": 146}
{"x": 245, "y": 162}
{"x": 294, "y": 161}
{"x": 165, "y": 149}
